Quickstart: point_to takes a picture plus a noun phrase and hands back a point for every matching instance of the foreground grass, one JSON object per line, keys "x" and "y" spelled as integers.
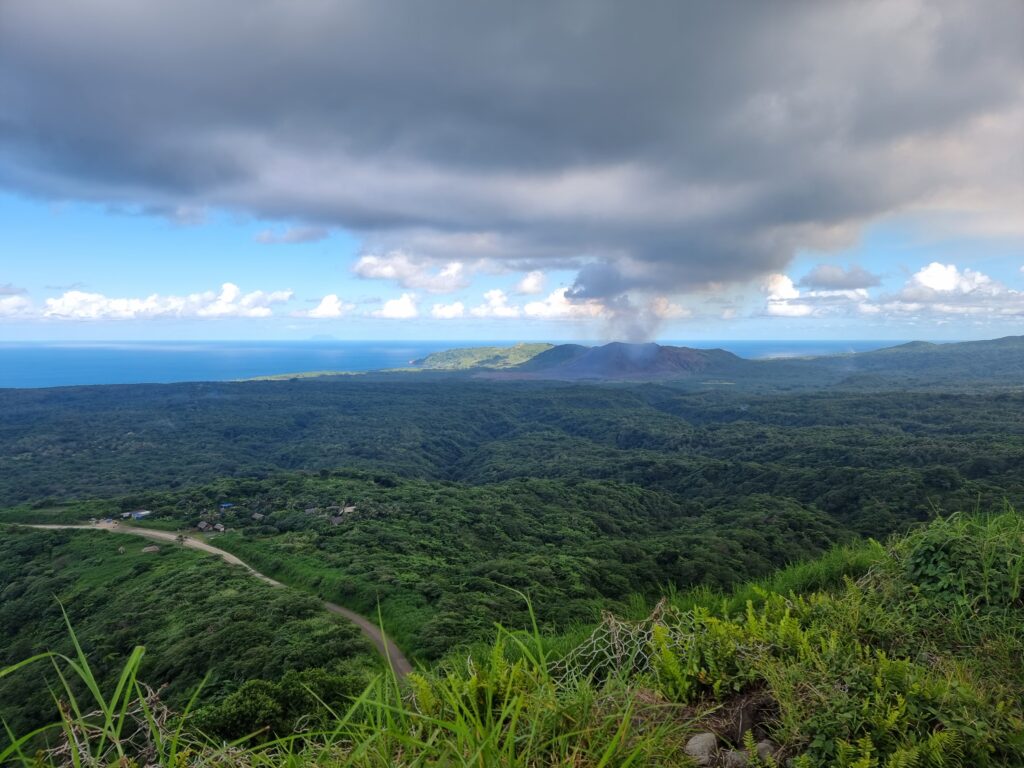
{"x": 904, "y": 655}
{"x": 506, "y": 711}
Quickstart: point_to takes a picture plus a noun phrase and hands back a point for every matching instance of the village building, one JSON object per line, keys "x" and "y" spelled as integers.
{"x": 204, "y": 526}
{"x": 219, "y": 527}
{"x": 151, "y": 548}
{"x": 257, "y": 516}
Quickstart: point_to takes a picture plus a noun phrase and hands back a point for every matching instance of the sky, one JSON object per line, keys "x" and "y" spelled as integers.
{"x": 560, "y": 170}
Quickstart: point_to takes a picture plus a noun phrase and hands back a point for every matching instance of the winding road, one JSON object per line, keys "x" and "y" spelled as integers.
{"x": 399, "y": 663}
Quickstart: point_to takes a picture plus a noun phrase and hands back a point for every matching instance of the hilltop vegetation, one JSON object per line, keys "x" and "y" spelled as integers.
{"x": 198, "y": 617}
{"x": 437, "y": 557}
{"x": 465, "y": 358}
{"x": 991, "y": 362}
{"x": 870, "y": 658}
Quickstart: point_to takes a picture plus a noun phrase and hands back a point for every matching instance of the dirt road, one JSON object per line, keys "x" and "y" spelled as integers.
{"x": 384, "y": 645}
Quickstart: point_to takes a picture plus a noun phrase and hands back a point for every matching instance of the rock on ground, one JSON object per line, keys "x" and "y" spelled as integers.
{"x": 766, "y": 749}
{"x": 702, "y": 748}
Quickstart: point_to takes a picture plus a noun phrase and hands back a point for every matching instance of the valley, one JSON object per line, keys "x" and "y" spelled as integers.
{"x": 456, "y": 505}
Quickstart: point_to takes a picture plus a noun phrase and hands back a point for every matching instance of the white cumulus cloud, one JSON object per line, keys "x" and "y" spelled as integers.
{"x": 557, "y": 305}
{"x": 448, "y": 311}
{"x": 410, "y": 272}
{"x": 495, "y": 305}
{"x": 780, "y": 288}
{"x": 531, "y": 284}
{"x": 330, "y": 306}
{"x": 789, "y": 309}
{"x": 228, "y": 302}
{"x": 947, "y": 290}
{"x": 231, "y": 302}
{"x": 14, "y": 305}
{"x": 402, "y": 308}
{"x": 935, "y": 291}
{"x": 939, "y": 278}
{"x": 782, "y": 297}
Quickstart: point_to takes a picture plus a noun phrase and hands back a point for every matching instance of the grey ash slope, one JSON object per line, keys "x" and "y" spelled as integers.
{"x": 630, "y": 362}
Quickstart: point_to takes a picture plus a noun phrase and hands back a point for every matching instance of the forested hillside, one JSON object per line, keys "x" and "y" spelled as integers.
{"x": 906, "y": 655}
{"x": 848, "y": 452}
{"x": 445, "y": 505}
{"x": 580, "y": 495}
{"x": 440, "y": 558}
{"x": 199, "y": 619}
{"x": 465, "y": 358}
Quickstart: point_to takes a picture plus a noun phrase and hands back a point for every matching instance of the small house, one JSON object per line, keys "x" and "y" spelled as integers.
{"x": 257, "y": 516}
{"x": 204, "y": 526}
{"x": 151, "y": 548}
{"x": 140, "y": 514}
{"x": 350, "y": 509}
{"x": 125, "y": 515}
{"x": 219, "y": 527}
{"x": 336, "y": 519}
{"x": 311, "y": 510}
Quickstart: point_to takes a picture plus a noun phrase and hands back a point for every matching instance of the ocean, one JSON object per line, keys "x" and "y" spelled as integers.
{"x": 59, "y": 364}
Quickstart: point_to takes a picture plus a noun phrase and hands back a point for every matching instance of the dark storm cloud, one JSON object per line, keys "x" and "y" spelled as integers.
{"x": 832, "y": 277}
{"x": 663, "y": 146}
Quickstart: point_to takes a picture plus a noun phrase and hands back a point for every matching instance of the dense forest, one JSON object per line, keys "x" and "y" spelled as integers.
{"x": 440, "y": 559}
{"x": 583, "y": 496}
{"x": 852, "y": 453}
